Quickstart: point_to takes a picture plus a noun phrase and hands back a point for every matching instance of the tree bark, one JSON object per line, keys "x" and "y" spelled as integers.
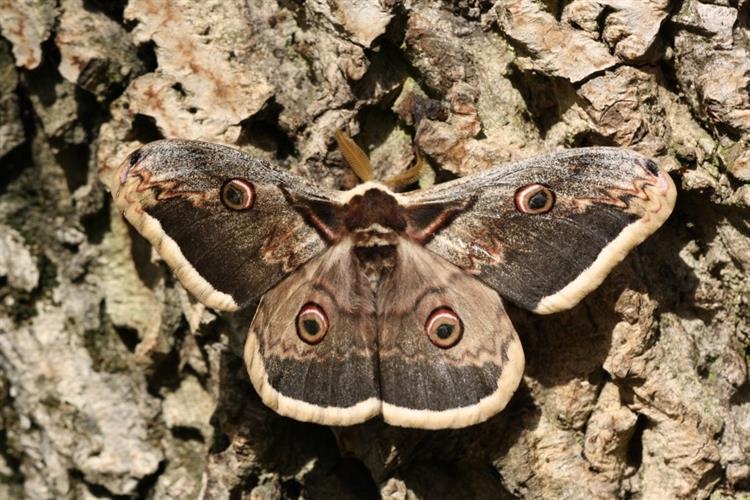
{"x": 115, "y": 382}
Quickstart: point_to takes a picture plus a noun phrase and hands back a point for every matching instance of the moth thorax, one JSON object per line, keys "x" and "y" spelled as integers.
{"x": 376, "y": 262}
{"x": 374, "y": 235}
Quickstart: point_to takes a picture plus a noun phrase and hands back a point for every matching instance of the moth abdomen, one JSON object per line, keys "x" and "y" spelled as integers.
{"x": 376, "y": 262}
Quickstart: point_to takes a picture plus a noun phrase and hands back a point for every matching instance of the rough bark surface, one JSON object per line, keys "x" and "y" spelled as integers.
{"x": 114, "y": 382}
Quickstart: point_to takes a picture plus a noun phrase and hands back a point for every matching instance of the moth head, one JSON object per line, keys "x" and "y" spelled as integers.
{"x": 238, "y": 194}
{"x": 444, "y": 328}
{"x": 312, "y": 323}
{"x": 534, "y": 199}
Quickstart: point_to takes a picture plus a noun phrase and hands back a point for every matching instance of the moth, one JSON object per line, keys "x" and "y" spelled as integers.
{"x": 375, "y": 302}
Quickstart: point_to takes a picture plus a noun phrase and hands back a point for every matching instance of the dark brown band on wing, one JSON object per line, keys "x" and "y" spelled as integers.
{"x": 541, "y": 259}
{"x": 427, "y": 219}
{"x": 323, "y": 215}
{"x": 215, "y": 243}
{"x": 328, "y": 382}
{"x": 424, "y": 385}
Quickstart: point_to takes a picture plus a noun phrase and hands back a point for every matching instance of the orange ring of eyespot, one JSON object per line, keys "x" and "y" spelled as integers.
{"x": 525, "y": 194}
{"x": 311, "y": 312}
{"x": 440, "y": 317}
{"x": 245, "y": 190}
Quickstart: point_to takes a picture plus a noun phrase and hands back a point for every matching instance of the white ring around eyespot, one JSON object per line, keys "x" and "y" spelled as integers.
{"x": 439, "y": 316}
{"x": 246, "y": 187}
{"x": 444, "y": 312}
{"x": 520, "y": 199}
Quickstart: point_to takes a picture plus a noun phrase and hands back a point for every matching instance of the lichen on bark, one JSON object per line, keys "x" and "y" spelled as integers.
{"x": 115, "y": 382}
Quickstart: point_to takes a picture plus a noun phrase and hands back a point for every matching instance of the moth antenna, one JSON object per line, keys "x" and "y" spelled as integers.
{"x": 411, "y": 175}
{"x": 354, "y": 156}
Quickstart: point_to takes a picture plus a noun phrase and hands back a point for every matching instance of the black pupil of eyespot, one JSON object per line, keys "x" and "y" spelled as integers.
{"x": 539, "y": 200}
{"x": 652, "y": 167}
{"x": 234, "y": 195}
{"x": 311, "y": 326}
{"x": 134, "y": 157}
{"x": 444, "y": 331}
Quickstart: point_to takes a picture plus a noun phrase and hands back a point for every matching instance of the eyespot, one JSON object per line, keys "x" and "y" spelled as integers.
{"x": 134, "y": 157}
{"x": 312, "y": 323}
{"x": 444, "y": 328}
{"x": 238, "y": 194}
{"x": 534, "y": 199}
{"x": 652, "y": 167}
{"x": 133, "y": 160}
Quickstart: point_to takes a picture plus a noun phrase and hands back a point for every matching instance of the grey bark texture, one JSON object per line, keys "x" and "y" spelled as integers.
{"x": 115, "y": 383}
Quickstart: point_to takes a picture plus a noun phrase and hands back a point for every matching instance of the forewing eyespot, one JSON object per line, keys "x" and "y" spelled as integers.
{"x": 652, "y": 167}
{"x": 534, "y": 199}
{"x": 444, "y": 328}
{"x": 312, "y": 323}
{"x": 238, "y": 194}
{"x": 133, "y": 160}
{"x": 134, "y": 157}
